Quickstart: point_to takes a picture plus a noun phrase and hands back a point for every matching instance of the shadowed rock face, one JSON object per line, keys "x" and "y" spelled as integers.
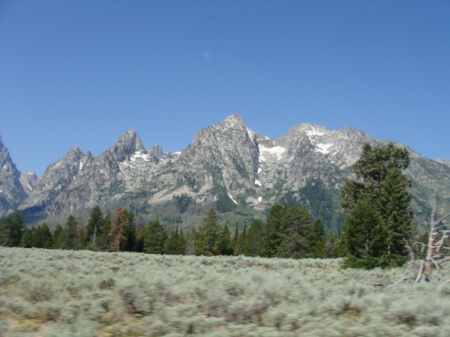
{"x": 14, "y": 185}
{"x": 227, "y": 166}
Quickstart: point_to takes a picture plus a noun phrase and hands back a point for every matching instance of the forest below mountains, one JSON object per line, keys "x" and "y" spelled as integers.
{"x": 288, "y": 232}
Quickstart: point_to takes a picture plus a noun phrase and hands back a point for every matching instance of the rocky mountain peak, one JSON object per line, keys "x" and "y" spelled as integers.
{"x": 74, "y": 154}
{"x": 233, "y": 121}
{"x": 14, "y": 185}
{"x": 6, "y": 163}
{"x": 127, "y": 144}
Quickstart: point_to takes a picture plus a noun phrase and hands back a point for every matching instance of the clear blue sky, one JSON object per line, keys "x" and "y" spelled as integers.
{"x": 84, "y": 72}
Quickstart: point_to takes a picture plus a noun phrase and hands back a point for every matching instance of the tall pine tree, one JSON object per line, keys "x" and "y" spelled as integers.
{"x": 377, "y": 206}
{"x": 296, "y": 224}
{"x": 94, "y": 228}
{"x": 207, "y": 235}
{"x": 69, "y": 233}
{"x": 154, "y": 238}
{"x": 117, "y": 231}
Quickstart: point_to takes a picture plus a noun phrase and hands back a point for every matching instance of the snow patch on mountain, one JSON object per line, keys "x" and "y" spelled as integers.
{"x": 140, "y": 154}
{"x": 314, "y": 132}
{"x": 270, "y": 154}
{"x": 323, "y": 148}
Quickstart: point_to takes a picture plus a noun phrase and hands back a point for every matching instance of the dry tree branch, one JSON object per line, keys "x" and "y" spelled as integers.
{"x": 421, "y": 269}
{"x": 437, "y": 237}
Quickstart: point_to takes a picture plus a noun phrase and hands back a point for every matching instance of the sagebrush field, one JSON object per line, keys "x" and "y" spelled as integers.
{"x": 58, "y": 293}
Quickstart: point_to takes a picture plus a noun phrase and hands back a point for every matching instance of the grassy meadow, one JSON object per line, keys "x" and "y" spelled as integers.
{"x": 57, "y": 293}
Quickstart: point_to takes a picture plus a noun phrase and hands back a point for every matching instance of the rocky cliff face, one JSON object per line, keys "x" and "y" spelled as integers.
{"x": 14, "y": 185}
{"x": 227, "y": 166}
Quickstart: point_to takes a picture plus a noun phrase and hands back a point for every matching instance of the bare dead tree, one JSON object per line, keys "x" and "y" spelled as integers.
{"x": 436, "y": 251}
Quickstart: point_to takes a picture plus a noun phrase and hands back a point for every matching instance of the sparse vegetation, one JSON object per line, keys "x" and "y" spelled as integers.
{"x": 84, "y": 293}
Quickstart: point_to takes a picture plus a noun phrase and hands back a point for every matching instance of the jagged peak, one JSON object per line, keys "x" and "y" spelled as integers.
{"x": 130, "y": 141}
{"x": 73, "y": 152}
{"x": 233, "y": 120}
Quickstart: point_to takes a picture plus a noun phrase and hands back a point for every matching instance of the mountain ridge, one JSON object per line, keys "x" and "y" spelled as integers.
{"x": 227, "y": 166}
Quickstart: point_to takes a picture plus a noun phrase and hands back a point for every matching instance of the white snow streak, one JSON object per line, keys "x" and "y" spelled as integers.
{"x": 257, "y": 182}
{"x": 137, "y": 155}
{"x": 259, "y": 199}
{"x": 323, "y": 148}
{"x": 232, "y": 198}
{"x": 314, "y": 132}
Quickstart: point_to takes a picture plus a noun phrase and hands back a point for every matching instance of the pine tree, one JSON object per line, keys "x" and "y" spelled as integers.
{"x": 129, "y": 244}
{"x": 117, "y": 231}
{"x": 57, "y": 237}
{"x": 296, "y": 223}
{"x": 154, "y": 238}
{"x": 43, "y": 237}
{"x": 69, "y": 233}
{"x": 208, "y": 235}
{"x": 94, "y": 228}
{"x": 175, "y": 244}
{"x": 381, "y": 188}
{"x": 317, "y": 239}
{"x": 27, "y": 238}
{"x": 254, "y": 240}
{"x": 365, "y": 236}
{"x": 240, "y": 243}
{"x": 182, "y": 243}
{"x": 12, "y": 229}
{"x": 274, "y": 229}
{"x": 80, "y": 242}
{"x": 104, "y": 240}
{"x": 140, "y": 239}
{"x": 234, "y": 240}
{"x": 224, "y": 242}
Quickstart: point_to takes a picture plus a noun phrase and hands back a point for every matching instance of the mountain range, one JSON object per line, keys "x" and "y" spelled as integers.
{"x": 227, "y": 166}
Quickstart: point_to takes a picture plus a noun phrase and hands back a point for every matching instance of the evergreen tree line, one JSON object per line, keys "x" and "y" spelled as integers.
{"x": 289, "y": 232}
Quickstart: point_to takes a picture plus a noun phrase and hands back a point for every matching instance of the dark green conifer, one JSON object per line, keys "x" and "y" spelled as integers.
{"x": 254, "y": 240}
{"x": 317, "y": 239}
{"x": 94, "y": 228}
{"x": 130, "y": 234}
{"x": 381, "y": 187}
{"x": 69, "y": 233}
{"x": 274, "y": 229}
{"x": 224, "y": 242}
{"x": 154, "y": 238}
{"x": 27, "y": 238}
{"x": 57, "y": 236}
{"x": 208, "y": 235}
{"x": 11, "y": 230}
{"x": 296, "y": 223}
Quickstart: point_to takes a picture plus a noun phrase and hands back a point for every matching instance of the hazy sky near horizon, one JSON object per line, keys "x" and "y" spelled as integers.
{"x": 84, "y": 72}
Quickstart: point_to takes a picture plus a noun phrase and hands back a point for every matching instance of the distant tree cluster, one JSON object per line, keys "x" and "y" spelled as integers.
{"x": 288, "y": 232}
